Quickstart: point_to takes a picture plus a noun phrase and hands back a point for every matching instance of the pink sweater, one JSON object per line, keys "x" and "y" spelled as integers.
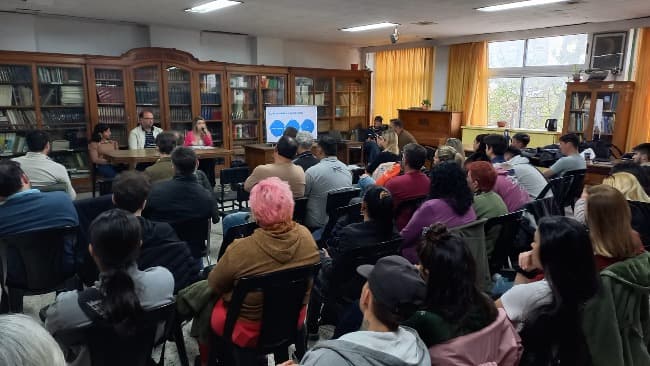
{"x": 513, "y": 195}
{"x": 189, "y": 139}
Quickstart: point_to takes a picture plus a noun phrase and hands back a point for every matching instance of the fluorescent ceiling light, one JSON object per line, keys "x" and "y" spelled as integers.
{"x": 212, "y": 6}
{"x": 519, "y": 4}
{"x": 369, "y": 27}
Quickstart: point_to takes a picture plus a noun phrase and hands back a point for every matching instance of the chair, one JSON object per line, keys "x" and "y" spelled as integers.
{"x": 474, "y": 236}
{"x": 196, "y": 233}
{"x": 506, "y": 227}
{"x": 576, "y": 185}
{"x": 52, "y": 187}
{"x": 543, "y": 207}
{"x": 566, "y": 189}
{"x": 335, "y": 199}
{"x": 227, "y": 194}
{"x": 177, "y": 258}
{"x": 284, "y": 292}
{"x": 105, "y": 184}
{"x": 407, "y": 207}
{"x": 107, "y": 347}
{"x": 236, "y": 232}
{"x": 87, "y": 210}
{"x": 300, "y": 209}
{"x": 640, "y": 220}
{"x": 38, "y": 257}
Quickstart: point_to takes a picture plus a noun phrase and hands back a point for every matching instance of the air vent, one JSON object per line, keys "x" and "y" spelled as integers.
{"x": 424, "y": 22}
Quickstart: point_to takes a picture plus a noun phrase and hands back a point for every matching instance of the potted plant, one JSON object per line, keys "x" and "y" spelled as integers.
{"x": 577, "y": 76}
{"x": 426, "y": 104}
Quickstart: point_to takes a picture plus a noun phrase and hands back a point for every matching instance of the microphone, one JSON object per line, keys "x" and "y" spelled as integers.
{"x": 205, "y": 131}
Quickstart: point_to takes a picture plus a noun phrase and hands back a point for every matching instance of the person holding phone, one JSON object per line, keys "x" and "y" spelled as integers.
{"x": 199, "y": 136}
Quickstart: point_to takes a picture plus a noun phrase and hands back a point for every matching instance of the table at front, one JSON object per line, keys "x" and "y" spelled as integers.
{"x": 132, "y": 157}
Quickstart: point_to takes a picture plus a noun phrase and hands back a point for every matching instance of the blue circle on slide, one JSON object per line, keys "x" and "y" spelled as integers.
{"x": 293, "y": 123}
{"x": 308, "y": 125}
{"x": 277, "y": 128}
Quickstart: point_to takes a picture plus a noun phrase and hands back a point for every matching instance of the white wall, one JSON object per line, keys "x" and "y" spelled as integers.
{"x": 268, "y": 51}
{"x": 181, "y": 39}
{"x": 226, "y": 48}
{"x": 17, "y": 32}
{"x": 330, "y": 56}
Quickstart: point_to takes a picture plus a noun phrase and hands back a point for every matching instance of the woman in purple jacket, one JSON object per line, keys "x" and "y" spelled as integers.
{"x": 450, "y": 203}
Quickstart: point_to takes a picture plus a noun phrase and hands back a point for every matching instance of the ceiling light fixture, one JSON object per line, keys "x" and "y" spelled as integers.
{"x": 369, "y": 27}
{"x": 519, "y": 4}
{"x": 212, "y": 6}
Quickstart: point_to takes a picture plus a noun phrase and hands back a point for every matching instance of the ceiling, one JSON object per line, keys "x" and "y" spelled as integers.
{"x": 319, "y": 20}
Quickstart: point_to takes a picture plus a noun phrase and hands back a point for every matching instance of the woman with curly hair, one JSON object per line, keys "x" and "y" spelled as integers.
{"x": 450, "y": 203}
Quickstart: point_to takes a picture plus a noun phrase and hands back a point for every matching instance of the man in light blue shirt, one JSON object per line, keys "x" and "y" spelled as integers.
{"x": 571, "y": 159}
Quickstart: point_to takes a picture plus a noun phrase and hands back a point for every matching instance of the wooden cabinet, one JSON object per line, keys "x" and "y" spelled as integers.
{"x": 598, "y": 109}
{"x": 431, "y": 128}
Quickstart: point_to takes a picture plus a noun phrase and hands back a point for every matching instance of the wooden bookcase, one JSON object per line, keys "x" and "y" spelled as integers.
{"x": 611, "y": 122}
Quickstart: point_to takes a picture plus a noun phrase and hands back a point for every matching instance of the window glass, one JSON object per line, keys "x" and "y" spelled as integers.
{"x": 506, "y": 54}
{"x": 504, "y": 96}
{"x": 543, "y": 99}
{"x": 561, "y": 50}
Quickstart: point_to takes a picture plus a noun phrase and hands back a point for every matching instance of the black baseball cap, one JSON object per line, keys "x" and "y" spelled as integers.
{"x": 395, "y": 283}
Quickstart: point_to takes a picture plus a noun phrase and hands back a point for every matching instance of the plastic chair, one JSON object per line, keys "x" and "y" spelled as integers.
{"x": 108, "y": 348}
{"x": 640, "y": 220}
{"x": 284, "y": 292}
{"x": 236, "y": 232}
{"x": 335, "y": 199}
{"x": 506, "y": 227}
{"x": 87, "y": 210}
{"x": 226, "y": 197}
{"x": 40, "y": 255}
{"x": 543, "y": 207}
{"x": 474, "y": 236}
{"x": 300, "y": 209}
{"x": 196, "y": 233}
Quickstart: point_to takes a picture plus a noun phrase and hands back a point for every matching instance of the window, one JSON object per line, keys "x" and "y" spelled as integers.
{"x": 528, "y": 78}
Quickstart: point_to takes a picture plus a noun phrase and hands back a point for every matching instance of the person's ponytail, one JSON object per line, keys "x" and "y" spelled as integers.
{"x": 121, "y": 304}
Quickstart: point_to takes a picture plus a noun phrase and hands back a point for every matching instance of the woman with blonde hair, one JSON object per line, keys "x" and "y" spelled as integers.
{"x": 388, "y": 160}
{"x": 199, "y": 136}
{"x": 627, "y": 184}
{"x": 609, "y": 221}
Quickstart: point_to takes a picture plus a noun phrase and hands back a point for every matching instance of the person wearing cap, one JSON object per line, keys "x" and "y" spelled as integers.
{"x": 393, "y": 292}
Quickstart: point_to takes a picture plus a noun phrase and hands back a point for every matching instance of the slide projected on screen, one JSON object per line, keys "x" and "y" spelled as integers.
{"x": 300, "y": 117}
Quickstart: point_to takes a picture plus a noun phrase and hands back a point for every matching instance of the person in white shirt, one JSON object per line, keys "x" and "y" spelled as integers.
{"x": 144, "y": 136}
{"x": 39, "y": 168}
{"x": 528, "y": 177}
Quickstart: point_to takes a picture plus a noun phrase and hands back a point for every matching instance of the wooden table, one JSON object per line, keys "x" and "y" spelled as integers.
{"x": 350, "y": 152}
{"x": 132, "y": 157}
{"x": 258, "y": 154}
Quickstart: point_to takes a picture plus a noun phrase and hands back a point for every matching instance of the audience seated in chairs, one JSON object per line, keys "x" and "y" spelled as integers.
{"x": 447, "y": 153}
{"x": 457, "y": 145}
{"x": 377, "y": 227}
{"x": 41, "y": 170}
{"x": 512, "y": 194}
{"x": 181, "y": 198}
{"x": 304, "y": 156}
{"x": 571, "y": 160}
{"x": 278, "y": 244}
{"x": 548, "y": 313}
{"x": 25, "y": 342}
{"x": 328, "y": 175}
{"x": 520, "y": 140}
{"x": 450, "y": 203}
{"x": 282, "y": 167}
{"x": 411, "y": 185}
{"x": 625, "y": 183}
{"x": 122, "y": 292}
{"x": 528, "y": 176}
{"x": 479, "y": 153}
{"x": 393, "y": 292}
{"x": 385, "y": 165}
{"x": 495, "y": 148}
{"x": 454, "y": 305}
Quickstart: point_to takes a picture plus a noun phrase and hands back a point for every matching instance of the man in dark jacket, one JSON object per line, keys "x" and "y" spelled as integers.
{"x": 305, "y": 158}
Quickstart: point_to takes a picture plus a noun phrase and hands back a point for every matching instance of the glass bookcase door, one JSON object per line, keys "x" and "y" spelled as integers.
{"x": 62, "y": 101}
{"x": 316, "y": 91}
{"x": 579, "y": 112}
{"x": 146, "y": 85}
{"x": 179, "y": 92}
{"x": 350, "y": 111}
{"x": 244, "y": 109}
{"x": 274, "y": 91}
{"x": 109, "y": 86}
{"x": 16, "y": 107}
{"x": 605, "y": 114}
{"x": 211, "y": 107}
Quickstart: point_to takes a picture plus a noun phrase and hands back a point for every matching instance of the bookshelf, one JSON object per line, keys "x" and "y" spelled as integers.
{"x": 111, "y": 102}
{"x": 316, "y": 91}
{"x": 147, "y": 92}
{"x": 598, "y": 110}
{"x": 244, "y": 109}
{"x": 274, "y": 92}
{"x": 351, "y": 109}
{"x": 210, "y": 92}
{"x": 179, "y": 97}
{"x": 17, "y": 107}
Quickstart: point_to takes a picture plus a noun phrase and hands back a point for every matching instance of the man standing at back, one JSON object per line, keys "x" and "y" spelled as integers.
{"x": 144, "y": 136}
{"x": 403, "y": 136}
{"x": 41, "y": 170}
{"x": 328, "y": 175}
{"x": 571, "y": 159}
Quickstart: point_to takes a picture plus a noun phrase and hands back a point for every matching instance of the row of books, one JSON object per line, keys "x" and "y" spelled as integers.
{"x": 110, "y": 94}
{"x": 108, "y": 74}
{"x": 146, "y": 94}
{"x": 210, "y": 97}
{"x": 111, "y": 114}
{"x": 10, "y": 143}
{"x": 149, "y": 73}
{"x": 178, "y": 75}
{"x": 272, "y": 83}
{"x": 243, "y": 82}
{"x": 58, "y": 75}
{"x": 607, "y": 123}
{"x": 577, "y": 121}
{"x": 62, "y": 95}
{"x": 311, "y": 99}
{"x": 610, "y": 101}
{"x": 180, "y": 94}
{"x": 64, "y": 115}
{"x": 180, "y": 114}
{"x": 578, "y": 101}
{"x": 17, "y": 119}
{"x": 349, "y": 99}
{"x": 211, "y": 113}
{"x": 16, "y": 95}
{"x": 15, "y": 74}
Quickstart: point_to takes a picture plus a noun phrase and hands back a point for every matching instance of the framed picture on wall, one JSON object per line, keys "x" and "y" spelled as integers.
{"x": 608, "y": 51}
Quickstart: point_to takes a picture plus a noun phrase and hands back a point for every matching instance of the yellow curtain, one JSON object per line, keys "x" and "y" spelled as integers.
{"x": 639, "y": 128}
{"x": 467, "y": 82}
{"x": 403, "y": 79}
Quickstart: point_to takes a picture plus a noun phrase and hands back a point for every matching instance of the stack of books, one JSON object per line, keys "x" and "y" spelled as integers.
{"x": 72, "y": 95}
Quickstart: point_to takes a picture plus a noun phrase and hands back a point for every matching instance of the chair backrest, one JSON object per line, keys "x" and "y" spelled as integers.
{"x": 233, "y": 175}
{"x": 177, "y": 258}
{"x": 474, "y": 236}
{"x": 88, "y": 209}
{"x": 353, "y": 212}
{"x": 543, "y": 207}
{"x": 576, "y": 184}
{"x": 496, "y": 344}
{"x": 195, "y": 232}
{"x": 284, "y": 292}
{"x": 640, "y": 220}
{"x": 408, "y": 207}
{"x": 300, "y": 209}
{"x": 52, "y": 187}
{"x": 41, "y": 255}
{"x": 108, "y": 348}
{"x": 236, "y": 232}
{"x": 346, "y": 283}
{"x": 507, "y": 227}
{"x": 339, "y": 198}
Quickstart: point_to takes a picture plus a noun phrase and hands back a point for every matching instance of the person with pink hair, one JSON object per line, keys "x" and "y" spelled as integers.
{"x": 278, "y": 244}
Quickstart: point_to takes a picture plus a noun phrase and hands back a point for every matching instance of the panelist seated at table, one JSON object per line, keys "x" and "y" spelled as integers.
{"x": 100, "y": 144}
{"x": 199, "y": 136}
{"x": 144, "y": 136}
